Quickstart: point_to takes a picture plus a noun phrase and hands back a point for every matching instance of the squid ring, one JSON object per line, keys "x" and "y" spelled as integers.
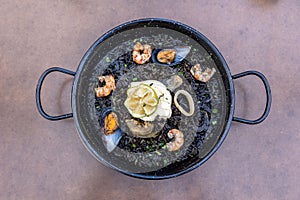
{"x": 190, "y": 101}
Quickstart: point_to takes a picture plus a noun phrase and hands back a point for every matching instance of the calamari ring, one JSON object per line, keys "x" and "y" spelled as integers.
{"x": 190, "y": 101}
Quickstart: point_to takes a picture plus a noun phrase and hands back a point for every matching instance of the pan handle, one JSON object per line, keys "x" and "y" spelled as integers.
{"x": 38, "y": 93}
{"x": 268, "y": 93}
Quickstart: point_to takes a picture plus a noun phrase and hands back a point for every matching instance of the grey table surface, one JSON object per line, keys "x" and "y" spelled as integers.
{"x": 40, "y": 159}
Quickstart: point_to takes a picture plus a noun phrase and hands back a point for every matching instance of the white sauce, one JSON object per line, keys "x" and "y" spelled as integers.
{"x": 165, "y": 99}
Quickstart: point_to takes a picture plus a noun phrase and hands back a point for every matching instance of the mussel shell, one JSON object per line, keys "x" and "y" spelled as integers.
{"x": 111, "y": 123}
{"x": 104, "y": 113}
{"x": 111, "y": 141}
{"x": 181, "y": 53}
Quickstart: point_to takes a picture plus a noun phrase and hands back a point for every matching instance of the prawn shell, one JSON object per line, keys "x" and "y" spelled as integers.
{"x": 177, "y": 143}
{"x": 181, "y": 53}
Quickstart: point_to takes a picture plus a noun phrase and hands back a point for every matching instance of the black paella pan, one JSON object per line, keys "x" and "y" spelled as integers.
{"x": 148, "y": 158}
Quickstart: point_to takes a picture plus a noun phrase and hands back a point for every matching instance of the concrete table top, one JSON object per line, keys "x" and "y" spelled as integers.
{"x": 40, "y": 159}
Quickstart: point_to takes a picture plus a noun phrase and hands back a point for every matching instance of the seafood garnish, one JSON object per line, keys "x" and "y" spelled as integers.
{"x": 154, "y": 100}
{"x": 178, "y": 140}
{"x": 140, "y": 128}
{"x": 110, "y": 123}
{"x": 141, "y": 101}
{"x": 174, "y": 82}
{"x": 166, "y": 56}
{"x": 203, "y": 76}
{"x": 190, "y": 101}
{"x": 111, "y": 141}
{"x": 170, "y": 56}
{"x": 141, "y": 53}
{"x": 109, "y": 85}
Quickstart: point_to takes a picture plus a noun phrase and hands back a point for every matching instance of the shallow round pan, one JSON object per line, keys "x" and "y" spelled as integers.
{"x": 212, "y": 122}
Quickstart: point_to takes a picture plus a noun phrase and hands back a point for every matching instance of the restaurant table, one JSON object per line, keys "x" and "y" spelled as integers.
{"x": 41, "y": 159}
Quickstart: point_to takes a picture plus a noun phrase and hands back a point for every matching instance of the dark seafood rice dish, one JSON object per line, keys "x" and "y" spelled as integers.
{"x": 154, "y": 106}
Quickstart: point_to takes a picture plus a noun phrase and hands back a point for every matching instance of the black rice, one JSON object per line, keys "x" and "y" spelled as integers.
{"x": 149, "y": 152}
